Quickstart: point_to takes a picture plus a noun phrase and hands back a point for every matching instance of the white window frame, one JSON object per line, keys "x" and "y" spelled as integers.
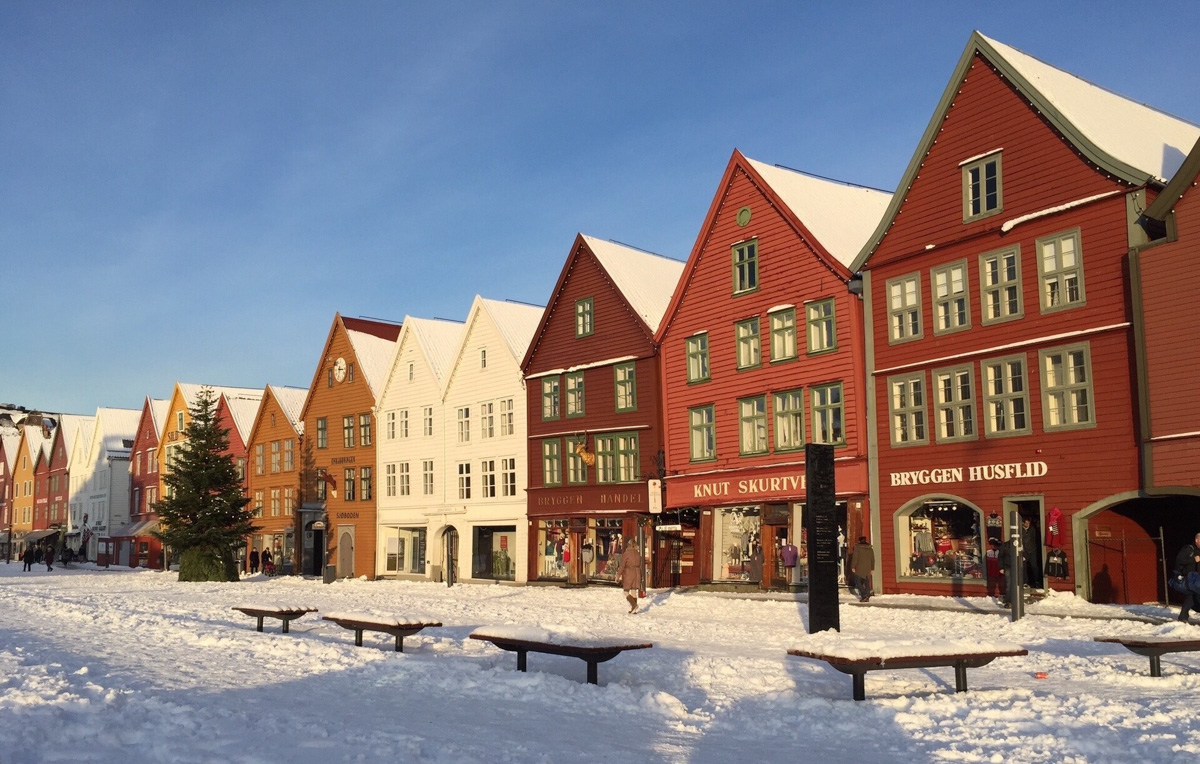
{"x": 464, "y": 424}
{"x": 464, "y": 480}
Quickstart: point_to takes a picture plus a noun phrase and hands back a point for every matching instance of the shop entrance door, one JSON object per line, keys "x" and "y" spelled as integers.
{"x": 451, "y": 541}
{"x": 1031, "y": 510}
{"x": 775, "y": 576}
{"x": 675, "y": 559}
{"x": 345, "y": 553}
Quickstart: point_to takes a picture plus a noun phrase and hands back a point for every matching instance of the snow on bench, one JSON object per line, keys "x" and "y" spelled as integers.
{"x": 285, "y": 613}
{"x": 1168, "y": 638}
{"x": 565, "y": 640}
{"x": 399, "y": 627}
{"x": 856, "y": 656}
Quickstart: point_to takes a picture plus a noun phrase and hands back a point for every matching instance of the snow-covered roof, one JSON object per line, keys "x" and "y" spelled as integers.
{"x": 35, "y": 441}
{"x": 1141, "y": 136}
{"x": 243, "y": 410}
{"x": 515, "y": 321}
{"x": 646, "y": 280}
{"x": 291, "y": 402}
{"x": 159, "y": 408}
{"x": 117, "y": 427}
{"x": 190, "y": 391}
{"x": 437, "y": 339}
{"x": 841, "y": 216}
{"x": 83, "y": 442}
{"x": 374, "y": 356}
{"x": 12, "y": 442}
{"x": 73, "y": 426}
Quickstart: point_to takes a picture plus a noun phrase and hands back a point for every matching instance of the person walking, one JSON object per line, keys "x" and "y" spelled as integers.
{"x": 1031, "y": 545}
{"x": 49, "y": 559}
{"x": 1185, "y": 575}
{"x": 253, "y": 561}
{"x": 268, "y": 562}
{"x": 28, "y": 558}
{"x": 631, "y": 573}
{"x": 862, "y": 565}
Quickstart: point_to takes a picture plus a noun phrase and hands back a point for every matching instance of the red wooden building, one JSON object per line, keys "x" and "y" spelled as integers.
{"x": 1000, "y": 336}
{"x": 762, "y": 353}
{"x": 135, "y": 543}
{"x": 595, "y": 429}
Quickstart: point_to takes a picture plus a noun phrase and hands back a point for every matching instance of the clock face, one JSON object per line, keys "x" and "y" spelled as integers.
{"x": 339, "y": 369}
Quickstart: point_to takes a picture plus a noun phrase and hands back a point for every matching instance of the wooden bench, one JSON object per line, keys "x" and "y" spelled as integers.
{"x": 360, "y": 622}
{"x": 1154, "y": 648}
{"x": 858, "y": 667}
{"x": 592, "y": 654}
{"x": 285, "y": 614}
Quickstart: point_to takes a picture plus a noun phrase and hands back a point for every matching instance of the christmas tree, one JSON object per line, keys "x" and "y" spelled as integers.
{"x": 204, "y": 514}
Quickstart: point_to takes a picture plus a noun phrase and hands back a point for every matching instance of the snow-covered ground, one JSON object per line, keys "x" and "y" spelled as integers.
{"x": 126, "y": 665}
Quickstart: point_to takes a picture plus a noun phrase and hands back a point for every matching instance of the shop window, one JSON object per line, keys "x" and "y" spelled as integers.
{"x": 574, "y": 389}
{"x": 1067, "y": 388}
{"x": 553, "y": 549}
{"x": 1060, "y": 268}
{"x": 906, "y": 404}
{"x": 783, "y": 335}
{"x": 550, "y": 398}
{"x": 703, "y": 433}
{"x": 697, "y": 358}
{"x": 625, "y": 381}
{"x": 494, "y": 553}
{"x": 752, "y": 421}
{"x": 941, "y": 539}
{"x": 828, "y": 415}
{"x": 737, "y": 549}
{"x": 789, "y": 420}
{"x": 983, "y": 187}
{"x": 749, "y": 352}
{"x": 904, "y": 308}
{"x": 584, "y": 324}
{"x": 601, "y": 551}
{"x": 1005, "y": 396}
{"x": 955, "y": 404}
{"x": 745, "y": 267}
{"x": 951, "y": 308}
{"x": 405, "y": 550}
{"x": 822, "y": 326}
{"x": 1000, "y": 285}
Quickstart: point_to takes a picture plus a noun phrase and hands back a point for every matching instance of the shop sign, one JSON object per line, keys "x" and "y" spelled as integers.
{"x": 1011, "y": 471}
{"x": 787, "y": 483}
{"x": 654, "y": 490}
{"x": 347, "y": 515}
{"x": 342, "y": 460}
{"x": 669, "y": 527}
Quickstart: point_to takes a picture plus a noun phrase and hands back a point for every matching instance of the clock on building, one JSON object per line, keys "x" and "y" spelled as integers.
{"x": 339, "y": 369}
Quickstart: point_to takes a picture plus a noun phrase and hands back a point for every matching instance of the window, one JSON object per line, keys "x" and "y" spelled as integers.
{"x": 275, "y": 503}
{"x": 364, "y": 429}
{"x": 411, "y": 370}
{"x": 241, "y": 466}
{"x": 402, "y": 423}
{"x": 365, "y": 475}
{"x": 483, "y": 358}
{"x": 1005, "y": 398}
{"x": 405, "y": 482}
{"x": 350, "y": 373}
{"x": 983, "y": 190}
{"x": 697, "y": 358}
{"x": 348, "y": 477}
{"x": 576, "y": 466}
{"x": 259, "y": 458}
{"x": 584, "y": 325}
{"x": 745, "y": 267}
{"x": 749, "y": 353}
{"x": 954, "y": 404}
{"x": 1000, "y": 285}
{"x": 389, "y": 480}
{"x": 487, "y": 420}
{"x": 752, "y": 419}
{"x": 574, "y": 383}
{"x": 508, "y": 469}
{"x": 827, "y": 415}
{"x": 320, "y": 485}
{"x": 258, "y": 503}
{"x": 348, "y": 431}
{"x": 289, "y": 454}
{"x": 904, "y": 308}
{"x": 789, "y": 420}
{"x": 1067, "y": 388}
{"x": 427, "y": 477}
{"x": 427, "y": 418}
{"x": 617, "y": 458}
{"x": 506, "y": 417}
{"x": 551, "y": 462}
{"x": 550, "y": 398}
{"x": 329, "y": 378}
{"x": 487, "y": 471}
{"x": 701, "y": 422}
{"x": 1060, "y": 266}
{"x": 783, "y": 335}
{"x": 322, "y": 433}
{"x": 951, "y": 310}
{"x": 179, "y": 421}
{"x": 907, "y": 409}
{"x": 390, "y": 425}
{"x": 464, "y": 424}
{"x": 821, "y": 325}
{"x": 289, "y": 501}
{"x": 626, "y": 386}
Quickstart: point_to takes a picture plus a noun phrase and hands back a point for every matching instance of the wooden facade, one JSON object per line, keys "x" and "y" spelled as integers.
{"x": 738, "y": 421}
{"x": 135, "y": 544}
{"x": 274, "y": 471}
{"x": 596, "y": 336}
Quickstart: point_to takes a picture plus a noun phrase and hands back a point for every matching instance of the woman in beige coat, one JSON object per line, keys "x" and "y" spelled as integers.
{"x": 631, "y": 573}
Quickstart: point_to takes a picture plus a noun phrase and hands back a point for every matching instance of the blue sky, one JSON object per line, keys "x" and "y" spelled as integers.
{"x": 190, "y": 191}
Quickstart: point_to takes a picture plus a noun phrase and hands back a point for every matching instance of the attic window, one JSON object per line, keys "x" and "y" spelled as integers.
{"x": 350, "y": 373}
{"x": 983, "y": 187}
{"x": 483, "y": 358}
{"x": 126, "y": 443}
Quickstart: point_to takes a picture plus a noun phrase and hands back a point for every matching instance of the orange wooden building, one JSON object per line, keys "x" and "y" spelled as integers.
{"x": 274, "y": 474}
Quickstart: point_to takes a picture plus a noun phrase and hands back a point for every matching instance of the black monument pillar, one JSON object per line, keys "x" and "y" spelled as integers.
{"x": 820, "y": 525}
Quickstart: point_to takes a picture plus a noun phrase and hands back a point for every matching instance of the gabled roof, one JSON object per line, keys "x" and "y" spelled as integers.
{"x": 374, "y": 356}
{"x": 1185, "y": 178}
{"x": 117, "y": 427}
{"x": 11, "y": 440}
{"x": 645, "y": 280}
{"x": 190, "y": 391}
{"x": 74, "y": 426}
{"x": 376, "y": 338}
{"x": 36, "y": 441}
{"x": 384, "y": 330}
{"x": 159, "y": 408}
{"x": 291, "y": 402}
{"x": 437, "y": 340}
{"x": 515, "y": 321}
{"x": 1133, "y": 142}
{"x": 243, "y": 409}
{"x": 83, "y": 442}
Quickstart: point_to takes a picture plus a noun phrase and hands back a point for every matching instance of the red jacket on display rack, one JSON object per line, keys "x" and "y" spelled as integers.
{"x": 1053, "y": 534}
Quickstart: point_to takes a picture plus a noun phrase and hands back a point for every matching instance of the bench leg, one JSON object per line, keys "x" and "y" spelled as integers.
{"x": 1155, "y": 665}
{"x": 521, "y": 660}
{"x": 860, "y": 688}
{"x": 260, "y": 620}
{"x": 960, "y": 677}
{"x": 358, "y": 637}
{"x": 591, "y": 674}
{"x": 399, "y": 643}
{"x": 286, "y": 623}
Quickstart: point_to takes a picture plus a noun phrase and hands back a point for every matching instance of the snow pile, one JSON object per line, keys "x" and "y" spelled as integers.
{"x": 834, "y": 645}
{"x": 275, "y": 608}
{"x": 564, "y": 635}
{"x": 380, "y": 619}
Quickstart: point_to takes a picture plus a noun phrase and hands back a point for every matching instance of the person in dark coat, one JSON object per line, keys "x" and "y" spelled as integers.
{"x": 268, "y": 562}
{"x": 49, "y": 559}
{"x": 631, "y": 573}
{"x": 1031, "y": 545}
{"x": 28, "y": 558}
{"x": 253, "y": 561}
{"x": 1187, "y": 562}
{"x": 862, "y": 565}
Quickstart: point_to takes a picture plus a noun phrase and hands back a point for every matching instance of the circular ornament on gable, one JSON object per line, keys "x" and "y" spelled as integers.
{"x": 743, "y": 217}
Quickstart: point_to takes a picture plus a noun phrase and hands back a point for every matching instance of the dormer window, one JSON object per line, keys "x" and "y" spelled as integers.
{"x": 983, "y": 187}
{"x": 584, "y": 317}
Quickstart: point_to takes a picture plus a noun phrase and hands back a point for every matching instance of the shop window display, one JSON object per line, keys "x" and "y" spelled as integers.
{"x": 944, "y": 540}
{"x": 405, "y": 550}
{"x": 601, "y": 552}
{"x": 493, "y": 553}
{"x": 738, "y": 551}
{"x": 554, "y": 549}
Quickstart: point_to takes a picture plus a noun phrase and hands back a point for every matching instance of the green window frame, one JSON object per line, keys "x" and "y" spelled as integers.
{"x": 904, "y": 308}
{"x": 752, "y": 425}
{"x": 821, "y": 326}
{"x": 982, "y": 187}
{"x": 576, "y": 467}
{"x": 951, "y": 303}
{"x": 828, "y": 414}
{"x": 703, "y": 433}
{"x": 954, "y": 403}
{"x": 1005, "y": 396}
{"x": 1060, "y": 271}
{"x": 552, "y": 462}
{"x": 585, "y": 319}
{"x": 697, "y": 358}
{"x": 573, "y": 386}
{"x": 783, "y": 334}
{"x": 745, "y": 267}
{"x": 550, "y": 398}
{"x": 906, "y": 410}
{"x": 789, "y": 420}
{"x": 1068, "y": 401}
{"x": 618, "y": 458}
{"x": 1000, "y": 285}
{"x": 749, "y": 346}
{"x": 625, "y": 386}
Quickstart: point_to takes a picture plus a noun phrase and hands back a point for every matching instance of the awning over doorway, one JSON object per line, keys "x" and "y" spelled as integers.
{"x": 140, "y": 528}
{"x": 39, "y": 535}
